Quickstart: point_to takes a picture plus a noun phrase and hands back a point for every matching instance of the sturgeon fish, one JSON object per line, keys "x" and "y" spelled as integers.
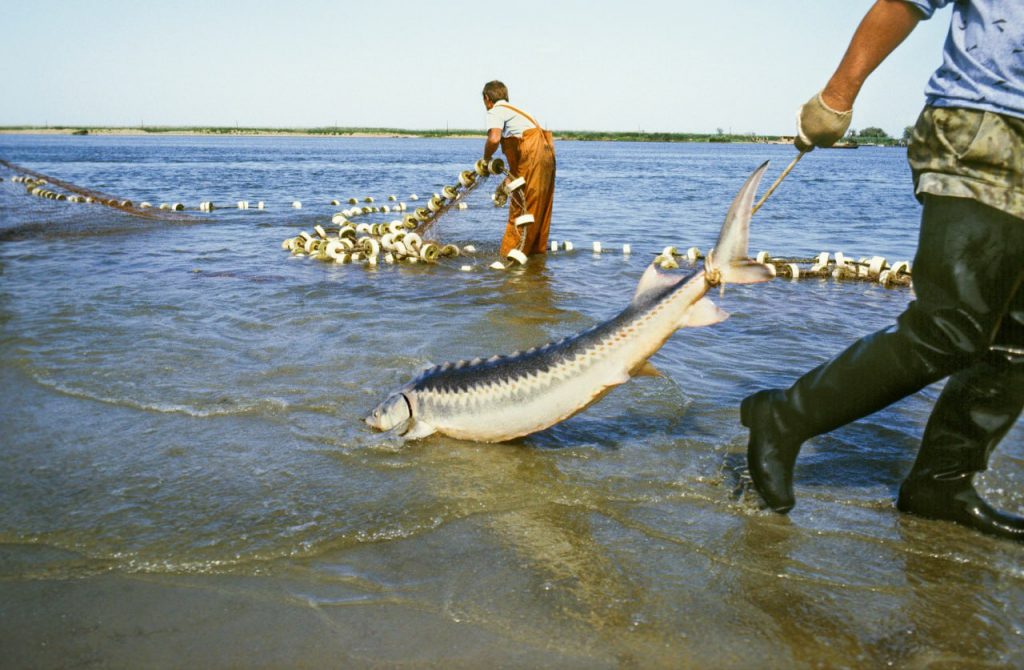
{"x": 505, "y": 397}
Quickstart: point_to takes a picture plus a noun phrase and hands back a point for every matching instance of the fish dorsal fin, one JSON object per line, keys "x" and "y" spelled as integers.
{"x": 653, "y": 282}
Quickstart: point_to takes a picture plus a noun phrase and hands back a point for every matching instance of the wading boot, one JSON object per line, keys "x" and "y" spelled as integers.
{"x": 975, "y": 410}
{"x": 871, "y": 374}
{"x": 966, "y": 274}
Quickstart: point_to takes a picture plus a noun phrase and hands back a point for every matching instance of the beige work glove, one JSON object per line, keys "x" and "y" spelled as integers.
{"x": 818, "y": 125}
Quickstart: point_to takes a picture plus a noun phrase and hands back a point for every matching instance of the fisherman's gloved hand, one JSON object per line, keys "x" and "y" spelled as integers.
{"x": 818, "y": 125}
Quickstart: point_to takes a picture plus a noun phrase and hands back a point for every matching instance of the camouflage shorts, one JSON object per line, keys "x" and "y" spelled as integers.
{"x": 968, "y": 153}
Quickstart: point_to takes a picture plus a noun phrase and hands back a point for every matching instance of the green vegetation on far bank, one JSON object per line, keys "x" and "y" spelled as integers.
{"x": 870, "y": 136}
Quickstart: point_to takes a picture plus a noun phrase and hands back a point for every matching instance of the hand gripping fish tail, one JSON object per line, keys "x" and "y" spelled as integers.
{"x": 502, "y": 398}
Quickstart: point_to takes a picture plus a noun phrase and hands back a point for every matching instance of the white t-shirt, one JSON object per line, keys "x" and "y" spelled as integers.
{"x": 512, "y": 124}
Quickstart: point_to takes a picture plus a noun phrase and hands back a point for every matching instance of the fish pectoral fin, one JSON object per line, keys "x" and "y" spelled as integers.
{"x": 703, "y": 313}
{"x": 419, "y": 430}
{"x": 648, "y": 370}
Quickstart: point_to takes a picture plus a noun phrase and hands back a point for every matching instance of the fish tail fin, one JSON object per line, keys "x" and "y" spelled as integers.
{"x": 728, "y": 262}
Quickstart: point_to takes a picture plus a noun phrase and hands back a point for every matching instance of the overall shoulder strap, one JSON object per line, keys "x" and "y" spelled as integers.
{"x": 519, "y": 111}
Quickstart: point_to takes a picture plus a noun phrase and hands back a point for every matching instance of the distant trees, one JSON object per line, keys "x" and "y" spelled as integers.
{"x": 873, "y": 133}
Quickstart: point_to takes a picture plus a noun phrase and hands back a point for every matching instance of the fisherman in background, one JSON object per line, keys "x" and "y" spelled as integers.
{"x": 967, "y": 322}
{"x": 530, "y": 153}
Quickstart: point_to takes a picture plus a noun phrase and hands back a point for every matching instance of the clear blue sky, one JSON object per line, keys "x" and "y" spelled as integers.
{"x": 655, "y": 65}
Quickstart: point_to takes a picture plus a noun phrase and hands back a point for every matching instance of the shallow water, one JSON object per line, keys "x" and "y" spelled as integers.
{"x": 185, "y": 475}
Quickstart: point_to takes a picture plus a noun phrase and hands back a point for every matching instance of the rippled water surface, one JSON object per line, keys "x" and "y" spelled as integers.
{"x": 185, "y": 476}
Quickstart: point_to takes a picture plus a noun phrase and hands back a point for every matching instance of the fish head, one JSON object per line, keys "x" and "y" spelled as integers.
{"x": 394, "y": 413}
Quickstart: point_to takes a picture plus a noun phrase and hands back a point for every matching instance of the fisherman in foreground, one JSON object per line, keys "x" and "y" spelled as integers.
{"x": 506, "y": 397}
{"x": 967, "y": 323}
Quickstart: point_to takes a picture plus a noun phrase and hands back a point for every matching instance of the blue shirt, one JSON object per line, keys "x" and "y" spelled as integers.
{"x": 983, "y": 59}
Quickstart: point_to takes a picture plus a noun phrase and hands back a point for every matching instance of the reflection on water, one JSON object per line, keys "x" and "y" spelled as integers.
{"x": 181, "y": 419}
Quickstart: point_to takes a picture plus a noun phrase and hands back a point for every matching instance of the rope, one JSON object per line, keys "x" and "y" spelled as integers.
{"x": 98, "y": 196}
{"x": 778, "y": 181}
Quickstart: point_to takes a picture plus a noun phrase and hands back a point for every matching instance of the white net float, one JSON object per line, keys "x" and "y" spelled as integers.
{"x": 368, "y": 198}
{"x": 875, "y": 266}
{"x": 517, "y": 256}
{"x": 496, "y": 166}
{"x": 371, "y": 261}
{"x": 554, "y": 245}
{"x": 900, "y": 266}
{"x": 305, "y": 236}
{"x": 146, "y": 205}
{"x": 840, "y": 259}
{"x": 333, "y": 249}
{"x": 393, "y": 198}
{"x": 242, "y": 204}
{"x": 370, "y": 246}
{"x": 414, "y": 197}
{"x": 469, "y": 249}
{"x": 467, "y": 178}
{"x": 463, "y": 205}
{"x": 466, "y": 268}
{"x": 449, "y": 192}
{"x": 669, "y": 252}
{"x": 352, "y": 201}
{"x": 666, "y": 262}
{"x": 524, "y": 220}
{"x": 497, "y": 265}
{"x": 567, "y": 245}
{"x": 519, "y": 182}
{"x": 339, "y": 219}
{"x": 692, "y": 254}
{"x": 389, "y": 258}
{"x": 450, "y": 251}
{"x": 596, "y": 246}
{"x": 320, "y": 230}
{"x": 429, "y": 252}
{"x": 821, "y": 263}
{"x": 413, "y": 241}
{"x": 763, "y": 257}
{"x": 771, "y": 269}
{"x": 794, "y": 270}
{"x": 177, "y": 207}
{"x": 626, "y": 249}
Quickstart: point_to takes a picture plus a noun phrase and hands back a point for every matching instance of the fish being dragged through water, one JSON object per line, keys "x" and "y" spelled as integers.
{"x": 505, "y": 397}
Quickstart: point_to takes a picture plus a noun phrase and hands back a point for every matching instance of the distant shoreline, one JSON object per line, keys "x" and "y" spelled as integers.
{"x": 562, "y": 135}
{"x": 604, "y": 136}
